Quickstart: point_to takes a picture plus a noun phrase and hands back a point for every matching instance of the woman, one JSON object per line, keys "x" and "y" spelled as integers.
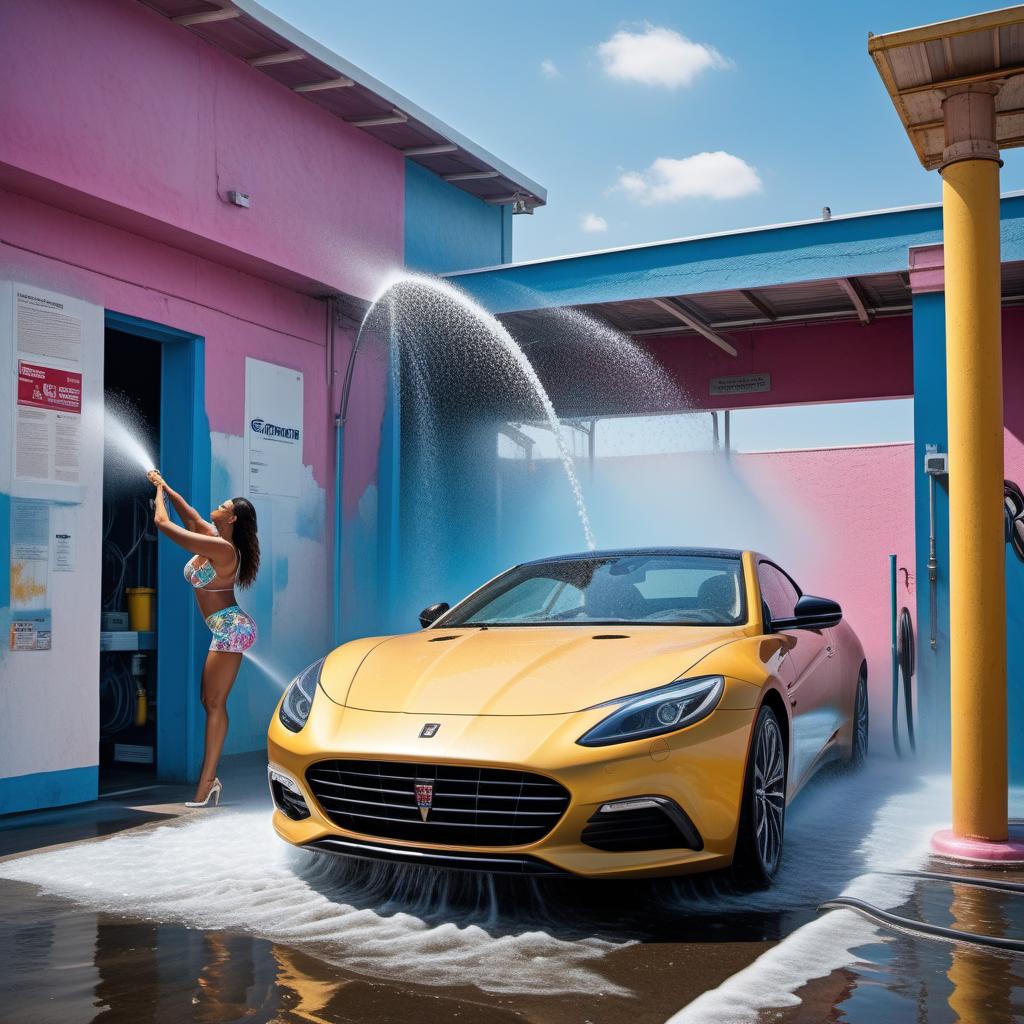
{"x": 225, "y": 553}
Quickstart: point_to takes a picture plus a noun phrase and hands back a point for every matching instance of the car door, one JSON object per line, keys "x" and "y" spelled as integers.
{"x": 806, "y": 672}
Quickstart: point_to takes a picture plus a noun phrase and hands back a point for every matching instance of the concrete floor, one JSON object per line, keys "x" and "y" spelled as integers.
{"x": 133, "y": 909}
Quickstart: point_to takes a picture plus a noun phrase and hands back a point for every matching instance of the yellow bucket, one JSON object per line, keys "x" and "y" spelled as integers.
{"x": 140, "y": 608}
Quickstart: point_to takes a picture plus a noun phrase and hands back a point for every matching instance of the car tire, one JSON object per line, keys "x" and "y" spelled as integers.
{"x": 861, "y": 722}
{"x": 763, "y": 814}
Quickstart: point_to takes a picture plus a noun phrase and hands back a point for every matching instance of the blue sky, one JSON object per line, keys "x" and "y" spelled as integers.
{"x": 787, "y": 90}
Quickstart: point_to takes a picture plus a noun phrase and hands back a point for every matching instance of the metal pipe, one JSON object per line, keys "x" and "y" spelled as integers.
{"x": 714, "y": 430}
{"x": 895, "y": 657}
{"x": 933, "y": 566}
{"x": 728, "y": 442}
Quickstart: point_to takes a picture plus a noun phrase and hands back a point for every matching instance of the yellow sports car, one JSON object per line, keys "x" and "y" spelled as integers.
{"x": 609, "y": 714}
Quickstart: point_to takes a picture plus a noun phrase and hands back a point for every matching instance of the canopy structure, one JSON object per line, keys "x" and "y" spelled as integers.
{"x": 920, "y": 66}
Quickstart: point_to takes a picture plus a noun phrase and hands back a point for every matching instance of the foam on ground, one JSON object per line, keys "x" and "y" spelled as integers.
{"x": 227, "y": 870}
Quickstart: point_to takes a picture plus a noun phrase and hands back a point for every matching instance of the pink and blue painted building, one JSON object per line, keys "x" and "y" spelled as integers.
{"x": 131, "y": 132}
{"x": 200, "y": 185}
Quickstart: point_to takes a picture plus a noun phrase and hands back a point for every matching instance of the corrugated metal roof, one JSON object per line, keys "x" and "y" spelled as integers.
{"x": 918, "y": 65}
{"x": 279, "y": 50}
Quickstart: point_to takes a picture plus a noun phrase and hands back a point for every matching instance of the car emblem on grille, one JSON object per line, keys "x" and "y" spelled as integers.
{"x": 424, "y": 798}
{"x": 429, "y": 731}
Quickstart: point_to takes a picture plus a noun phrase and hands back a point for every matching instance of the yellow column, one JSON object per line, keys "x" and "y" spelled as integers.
{"x": 977, "y": 604}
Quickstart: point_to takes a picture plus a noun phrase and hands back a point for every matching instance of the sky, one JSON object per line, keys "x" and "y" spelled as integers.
{"x": 652, "y": 119}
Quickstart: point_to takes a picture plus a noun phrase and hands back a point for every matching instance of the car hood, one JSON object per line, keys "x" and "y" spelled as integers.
{"x": 534, "y": 670}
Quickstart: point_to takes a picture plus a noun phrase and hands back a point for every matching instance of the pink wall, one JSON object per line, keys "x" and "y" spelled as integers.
{"x": 829, "y": 362}
{"x": 237, "y": 315}
{"x": 107, "y": 104}
{"x": 862, "y": 502}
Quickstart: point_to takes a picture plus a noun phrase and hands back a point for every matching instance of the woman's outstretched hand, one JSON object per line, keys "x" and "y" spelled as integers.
{"x": 154, "y": 477}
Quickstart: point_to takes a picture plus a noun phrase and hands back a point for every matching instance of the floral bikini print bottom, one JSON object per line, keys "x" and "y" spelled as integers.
{"x": 232, "y": 630}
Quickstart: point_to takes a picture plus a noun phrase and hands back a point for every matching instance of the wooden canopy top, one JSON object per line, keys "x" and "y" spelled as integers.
{"x": 920, "y": 66}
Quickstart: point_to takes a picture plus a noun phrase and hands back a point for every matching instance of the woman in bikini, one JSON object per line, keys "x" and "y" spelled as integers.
{"x": 225, "y": 554}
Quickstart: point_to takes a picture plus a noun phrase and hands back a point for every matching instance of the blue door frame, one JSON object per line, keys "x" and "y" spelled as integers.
{"x": 184, "y": 459}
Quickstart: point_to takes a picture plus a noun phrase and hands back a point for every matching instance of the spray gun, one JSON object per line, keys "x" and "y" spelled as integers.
{"x": 141, "y": 698}
{"x": 936, "y": 463}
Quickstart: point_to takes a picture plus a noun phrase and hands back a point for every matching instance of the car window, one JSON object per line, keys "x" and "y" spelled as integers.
{"x": 777, "y": 591}
{"x": 628, "y": 588}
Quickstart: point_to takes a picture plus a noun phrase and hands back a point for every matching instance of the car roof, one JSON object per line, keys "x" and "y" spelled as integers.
{"x": 628, "y": 552}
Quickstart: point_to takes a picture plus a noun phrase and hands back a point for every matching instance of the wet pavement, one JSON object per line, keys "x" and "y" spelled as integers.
{"x": 133, "y": 909}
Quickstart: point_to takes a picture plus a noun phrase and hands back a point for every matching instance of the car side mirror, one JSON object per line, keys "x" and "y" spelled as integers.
{"x": 432, "y": 613}
{"x": 811, "y": 613}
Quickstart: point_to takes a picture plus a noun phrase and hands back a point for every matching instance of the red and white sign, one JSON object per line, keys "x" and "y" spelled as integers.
{"x": 48, "y": 388}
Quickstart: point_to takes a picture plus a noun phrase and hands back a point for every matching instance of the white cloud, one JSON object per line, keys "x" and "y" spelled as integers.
{"x": 593, "y": 223}
{"x": 657, "y": 56}
{"x": 715, "y": 175}
{"x": 549, "y": 69}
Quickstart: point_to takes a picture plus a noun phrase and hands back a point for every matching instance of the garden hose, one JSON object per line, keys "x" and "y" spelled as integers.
{"x": 913, "y": 927}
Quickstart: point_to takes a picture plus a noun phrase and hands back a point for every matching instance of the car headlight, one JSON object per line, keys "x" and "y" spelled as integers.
{"x": 298, "y": 698}
{"x": 663, "y": 710}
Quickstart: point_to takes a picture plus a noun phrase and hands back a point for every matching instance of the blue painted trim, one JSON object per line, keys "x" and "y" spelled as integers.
{"x": 930, "y": 428}
{"x": 870, "y": 243}
{"x": 49, "y": 789}
{"x": 185, "y": 458}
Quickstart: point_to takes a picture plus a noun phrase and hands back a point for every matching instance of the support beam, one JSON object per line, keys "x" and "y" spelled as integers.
{"x": 760, "y": 305}
{"x": 207, "y": 17}
{"x": 685, "y": 316}
{"x": 441, "y": 147}
{"x": 853, "y": 292}
{"x": 395, "y": 117}
{"x": 265, "y": 60}
{"x": 330, "y": 83}
{"x": 470, "y": 175}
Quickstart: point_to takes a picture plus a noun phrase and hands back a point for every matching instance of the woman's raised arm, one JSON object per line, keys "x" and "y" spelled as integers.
{"x": 189, "y": 516}
{"x": 215, "y": 548}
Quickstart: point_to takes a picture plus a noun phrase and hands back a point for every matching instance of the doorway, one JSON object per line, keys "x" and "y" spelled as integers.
{"x": 157, "y": 373}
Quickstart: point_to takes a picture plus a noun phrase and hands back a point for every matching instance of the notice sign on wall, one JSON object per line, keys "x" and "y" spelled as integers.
{"x": 273, "y": 429}
{"x": 48, "y": 404}
{"x": 747, "y": 384}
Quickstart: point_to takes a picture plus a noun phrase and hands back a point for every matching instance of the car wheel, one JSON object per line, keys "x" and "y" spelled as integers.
{"x": 861, "y": 722}
{"x": 763, "y": 817}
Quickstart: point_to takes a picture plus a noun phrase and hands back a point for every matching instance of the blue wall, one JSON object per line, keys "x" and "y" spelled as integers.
{"x": 930, "y": 428}
{"x": 447, "y": 229}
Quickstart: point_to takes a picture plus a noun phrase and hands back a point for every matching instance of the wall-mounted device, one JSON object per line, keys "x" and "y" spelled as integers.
{"x": 239, "y": 198}
{"x": 936, "y": 463}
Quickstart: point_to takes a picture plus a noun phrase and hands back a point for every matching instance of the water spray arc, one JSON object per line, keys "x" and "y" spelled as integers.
{"x": 404, "y": 302}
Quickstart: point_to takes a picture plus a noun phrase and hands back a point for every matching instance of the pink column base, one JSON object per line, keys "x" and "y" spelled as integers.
{"x": 981, "y": 851}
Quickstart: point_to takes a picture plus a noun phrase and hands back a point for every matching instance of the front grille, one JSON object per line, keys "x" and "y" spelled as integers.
{"x": 471, "y": 806}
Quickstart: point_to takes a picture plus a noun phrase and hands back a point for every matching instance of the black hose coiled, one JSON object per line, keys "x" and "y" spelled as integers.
{"x": 907, "y": 660}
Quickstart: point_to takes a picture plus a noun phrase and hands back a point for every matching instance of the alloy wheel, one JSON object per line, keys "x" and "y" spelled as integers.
{"x": 769, "y": 794}
{"x": 860, "y": 738}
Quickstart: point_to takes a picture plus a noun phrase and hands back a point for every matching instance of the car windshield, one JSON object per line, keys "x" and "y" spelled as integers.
{"x": 690, "y": 590}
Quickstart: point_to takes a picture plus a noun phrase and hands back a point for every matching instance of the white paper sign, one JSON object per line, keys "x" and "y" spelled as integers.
{"x": 62, "y": 539}
{"x": 273, "y": 429}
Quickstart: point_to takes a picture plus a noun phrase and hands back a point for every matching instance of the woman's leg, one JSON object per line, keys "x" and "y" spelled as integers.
{"x": 219, "y": 675}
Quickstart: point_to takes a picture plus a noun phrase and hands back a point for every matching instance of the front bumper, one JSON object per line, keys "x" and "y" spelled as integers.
{"x": 700, "y": 768}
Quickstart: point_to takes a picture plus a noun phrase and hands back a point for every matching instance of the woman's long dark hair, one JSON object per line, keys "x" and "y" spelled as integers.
{"x": 245, "y": 539}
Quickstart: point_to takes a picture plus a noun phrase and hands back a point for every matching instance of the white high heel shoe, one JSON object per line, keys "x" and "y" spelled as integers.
{"x": 214, "y": 793}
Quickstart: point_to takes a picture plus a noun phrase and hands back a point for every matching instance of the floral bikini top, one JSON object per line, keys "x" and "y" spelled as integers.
{"x": 200, "y": 576}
